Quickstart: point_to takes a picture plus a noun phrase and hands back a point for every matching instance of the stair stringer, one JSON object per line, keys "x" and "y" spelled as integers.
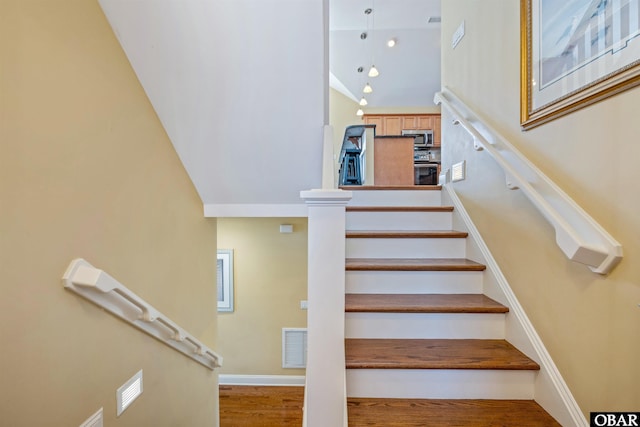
{"x": 550, "y": 390}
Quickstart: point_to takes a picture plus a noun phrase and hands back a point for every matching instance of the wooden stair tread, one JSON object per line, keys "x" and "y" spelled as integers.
{"x": 435, "y": 354}
{"x": 399, "y": 208}
{"x": 406, "y": 234}
{"x": 412, "y": 264}
{"x": 391, "y": 187}
{"x": 422, "y": 303}
{"x": 447, "y": 412}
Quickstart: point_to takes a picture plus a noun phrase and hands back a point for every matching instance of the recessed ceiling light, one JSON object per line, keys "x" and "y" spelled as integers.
{"x": 391, "y": 42}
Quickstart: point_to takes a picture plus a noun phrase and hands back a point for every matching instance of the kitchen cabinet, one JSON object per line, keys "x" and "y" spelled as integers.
{"x": 417, "y": 122}
{"x": 375, "y": 120}
{"x": 393, "y": 124}
{"x": 437, "y": 138}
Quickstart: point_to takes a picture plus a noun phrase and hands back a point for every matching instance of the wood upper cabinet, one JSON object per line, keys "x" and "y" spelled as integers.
{"x": 417, "y": 122}
{"x": 437, "y": 135}
{"x": 375, "y": 120}
{"x": 392, "y": 125}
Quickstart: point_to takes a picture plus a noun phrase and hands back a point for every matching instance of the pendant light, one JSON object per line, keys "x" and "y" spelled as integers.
{"x": 363, "y": 101}
{"x": 367, "y": 88}
{"x": 373, "y": 72}
{"x": 359, "y": 113}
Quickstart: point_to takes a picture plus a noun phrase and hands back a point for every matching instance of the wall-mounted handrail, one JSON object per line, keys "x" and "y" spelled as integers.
{"x": 103, "y": 290}
{"x": 579, "y": 236}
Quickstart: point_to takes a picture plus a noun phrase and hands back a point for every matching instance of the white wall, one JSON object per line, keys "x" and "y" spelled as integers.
{"x": 240, "y": 87}
{"x": 589, "y": 323}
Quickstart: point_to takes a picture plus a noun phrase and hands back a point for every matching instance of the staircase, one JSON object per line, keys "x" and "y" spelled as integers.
{"x": 424, "y": 346}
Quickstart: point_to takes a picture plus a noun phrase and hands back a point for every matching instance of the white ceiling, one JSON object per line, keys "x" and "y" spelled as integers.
{"x": 409, "y": 72}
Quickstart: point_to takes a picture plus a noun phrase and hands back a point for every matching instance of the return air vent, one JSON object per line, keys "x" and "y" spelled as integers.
{"x": 94, "y": 420}
{"x": 294, "y": 347}
{"x": 128, "y": 392}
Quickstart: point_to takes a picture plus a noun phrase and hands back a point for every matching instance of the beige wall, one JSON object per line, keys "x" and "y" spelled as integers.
{"x": 589, "y": 323}
{"x": 270, "y": 280}
{"x": 86, "y": 170}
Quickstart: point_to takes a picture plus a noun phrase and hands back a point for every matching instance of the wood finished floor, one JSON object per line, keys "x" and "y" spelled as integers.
{"x": 395, "y": 234}
{"x": 260, "y": 406}
{"x": 450, "y": 413}
{"x": 434, "y": 354}
{"x": 422, "y": 303}
{"x": 412, "y": 264}
{"x": 282, "y": 407}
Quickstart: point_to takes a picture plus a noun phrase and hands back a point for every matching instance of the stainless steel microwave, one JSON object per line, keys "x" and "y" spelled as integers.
{"x": 423, "y": 137}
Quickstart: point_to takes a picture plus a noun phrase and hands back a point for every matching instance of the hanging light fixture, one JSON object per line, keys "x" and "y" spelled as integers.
{"x": 373, "y": 71}
{"x": 367, "y": 88}
{"x": 359, "y": 113}
{"x": 363, "y": 101}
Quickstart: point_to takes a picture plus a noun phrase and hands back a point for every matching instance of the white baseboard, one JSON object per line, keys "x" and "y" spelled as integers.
{"x": 262, "y": 380}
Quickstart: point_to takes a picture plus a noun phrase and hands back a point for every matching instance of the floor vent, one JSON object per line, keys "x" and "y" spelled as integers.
{"x": 294, "y": 347}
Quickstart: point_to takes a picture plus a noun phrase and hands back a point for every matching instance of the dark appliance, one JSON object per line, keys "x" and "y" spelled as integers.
{"x": 425, "y": 173}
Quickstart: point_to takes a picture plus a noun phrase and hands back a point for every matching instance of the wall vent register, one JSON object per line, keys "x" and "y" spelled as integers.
{"x": 294, "y": 347}
{"x": 128, "y": 392}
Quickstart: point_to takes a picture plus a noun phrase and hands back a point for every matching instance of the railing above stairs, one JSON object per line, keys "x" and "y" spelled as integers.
{"x": 578, "y": 235}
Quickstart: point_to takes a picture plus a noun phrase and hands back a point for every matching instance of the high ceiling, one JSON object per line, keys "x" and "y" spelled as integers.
{"x": 409, "y": 72}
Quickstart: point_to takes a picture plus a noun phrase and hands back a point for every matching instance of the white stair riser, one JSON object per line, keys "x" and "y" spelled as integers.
{"x": 405, "y": 248}
{"x": 396, "y": 198}
{"x": 399, "y": 221}
{"x": 414, "y": 282}
{"x": 425, "y": 325}
{"x": 440, "y": 383}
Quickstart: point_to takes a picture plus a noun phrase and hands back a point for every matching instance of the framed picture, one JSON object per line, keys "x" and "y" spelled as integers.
{"x": 575, "y": 53}
{"x": 225, "y": 279}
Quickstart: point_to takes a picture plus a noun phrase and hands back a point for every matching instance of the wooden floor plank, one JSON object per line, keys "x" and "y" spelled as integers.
{"x": 445, "y": 412}
{"x": 391, "y": 187}
{"x": 434, "y": 354}
{"x": 413, "y": 264}
{"x": 260, "y": 406}
{"x": 406, "y": 234}
{"x": 422, "y": 303}
{"x": 399, "y": 208}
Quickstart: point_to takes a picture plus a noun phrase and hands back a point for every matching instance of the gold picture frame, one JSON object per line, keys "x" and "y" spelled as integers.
{"x": 574, "y": 54}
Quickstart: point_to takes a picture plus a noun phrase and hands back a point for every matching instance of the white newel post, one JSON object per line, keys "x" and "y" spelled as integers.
{"x": 325, "y": 393}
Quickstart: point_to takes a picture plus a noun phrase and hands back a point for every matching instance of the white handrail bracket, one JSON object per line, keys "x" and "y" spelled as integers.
{"x": 103, "y": 290}
{"x": 579, "y": 236}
